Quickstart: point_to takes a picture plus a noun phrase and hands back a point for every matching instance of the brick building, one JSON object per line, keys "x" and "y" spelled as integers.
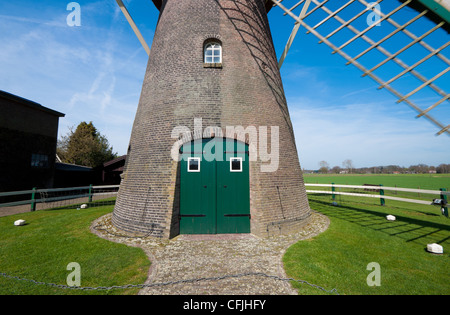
{"x": 28, "y": 137}
{"x": 212, "y": 63}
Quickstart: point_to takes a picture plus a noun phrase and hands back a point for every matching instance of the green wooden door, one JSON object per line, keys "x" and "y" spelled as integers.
{"x": 214, "y": 187}
{"x": 197, "y": 191}
{"x": 233, "y": 190}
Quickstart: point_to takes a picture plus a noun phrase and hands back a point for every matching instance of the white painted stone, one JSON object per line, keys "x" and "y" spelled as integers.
{"x": 84, "y": 206}
{"x": 19, "y": 222}
{"x": 435, "y": 248}
{"x": 390, "y": 217}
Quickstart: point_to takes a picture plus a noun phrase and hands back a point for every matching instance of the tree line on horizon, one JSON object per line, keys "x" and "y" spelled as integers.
{"x": 348, "y": 168}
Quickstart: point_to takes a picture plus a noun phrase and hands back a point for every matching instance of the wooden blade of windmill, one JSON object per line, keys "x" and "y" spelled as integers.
{"x": 133, "y": 26}
{"x": 367, "y": 45}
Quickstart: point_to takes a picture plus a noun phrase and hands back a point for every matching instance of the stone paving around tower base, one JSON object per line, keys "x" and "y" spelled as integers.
{"x": 223, "y": 264}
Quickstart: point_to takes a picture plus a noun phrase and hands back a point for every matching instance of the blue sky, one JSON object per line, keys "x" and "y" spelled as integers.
{"x": 94, "y": 72}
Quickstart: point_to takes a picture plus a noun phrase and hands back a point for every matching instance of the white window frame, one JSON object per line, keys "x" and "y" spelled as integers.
{"x": 188, "y": 164}
{"x": 213, "y": 46}
{"x": 231, "y": 164}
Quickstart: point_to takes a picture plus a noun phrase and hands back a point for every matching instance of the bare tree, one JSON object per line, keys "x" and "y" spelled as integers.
{"x": 324, "y": 166}
{"x": 443, "y": 168}
{"x": 336, "y": 169}
{"x": 348, "y": 164}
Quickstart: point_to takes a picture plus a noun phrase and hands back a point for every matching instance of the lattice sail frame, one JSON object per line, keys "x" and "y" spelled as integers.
{"x": 314, "y": 15}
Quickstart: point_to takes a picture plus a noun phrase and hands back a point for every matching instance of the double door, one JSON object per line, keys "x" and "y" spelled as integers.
{"x": 214, "y": 187}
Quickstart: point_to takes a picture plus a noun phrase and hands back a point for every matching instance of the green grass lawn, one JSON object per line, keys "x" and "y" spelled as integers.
{"x": 360, "y": 234}
{"x": 42, "y": 249}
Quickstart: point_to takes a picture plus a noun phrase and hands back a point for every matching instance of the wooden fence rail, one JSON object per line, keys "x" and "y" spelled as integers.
{"x": 50, "y": 195}
{"x": 56, "y": 194}
{"x": 442, "y": 193}
{"x": 422, "y": 191}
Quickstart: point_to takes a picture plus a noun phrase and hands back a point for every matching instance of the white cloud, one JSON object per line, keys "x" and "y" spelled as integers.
{"x": 89, "y": 73}
{"x": 370, "y": 134}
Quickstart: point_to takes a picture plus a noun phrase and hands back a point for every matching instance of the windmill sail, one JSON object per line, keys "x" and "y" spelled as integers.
{"x": 376, "y": 37}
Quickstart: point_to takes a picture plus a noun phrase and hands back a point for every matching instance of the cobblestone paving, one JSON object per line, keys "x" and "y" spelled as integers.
{"x": 188, "y": 257}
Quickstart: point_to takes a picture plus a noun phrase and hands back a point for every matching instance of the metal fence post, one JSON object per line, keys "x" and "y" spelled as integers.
{"x": 33, "y": 200}
{"x": 90, "y": 193}
{"x": 382, "y": 202}
{"x": 444, "y": 197}
{"x": 333, "y": 196}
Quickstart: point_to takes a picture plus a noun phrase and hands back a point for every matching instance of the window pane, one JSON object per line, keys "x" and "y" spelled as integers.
{"x": 213, "y": 52}
{"x": 39, "y": 160}
{"x": 236, "y": 164}
{"x": 194, "y": 165}
{"x": 34, "y": 160}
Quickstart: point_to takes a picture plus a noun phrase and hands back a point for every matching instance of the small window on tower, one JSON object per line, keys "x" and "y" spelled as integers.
{"x": 194, "y": 164}
{"x": 213, "y": 54}
{"x": 236, "y": 165}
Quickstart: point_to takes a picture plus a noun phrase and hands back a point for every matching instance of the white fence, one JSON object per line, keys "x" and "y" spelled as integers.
{"x": 56, "y": 197}
{"x": 442, "y": 193}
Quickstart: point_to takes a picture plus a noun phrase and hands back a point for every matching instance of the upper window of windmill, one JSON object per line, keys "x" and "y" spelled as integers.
{"x": 213, "y": 53}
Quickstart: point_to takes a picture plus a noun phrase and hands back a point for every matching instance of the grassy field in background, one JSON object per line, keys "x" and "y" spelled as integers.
{"x": 42, "y": 249}
{"x": 422, "y": 181}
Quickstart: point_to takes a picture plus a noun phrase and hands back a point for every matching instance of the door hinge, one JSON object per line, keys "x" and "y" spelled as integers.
{"x": 191, "y": 216}
{"x": 238, "y": 215}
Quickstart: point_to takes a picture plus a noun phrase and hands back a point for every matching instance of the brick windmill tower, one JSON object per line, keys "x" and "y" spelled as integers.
{"x": 212, "y": 148}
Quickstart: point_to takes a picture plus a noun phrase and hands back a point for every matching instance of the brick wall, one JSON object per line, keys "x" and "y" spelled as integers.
{"x": 245, "y": 91}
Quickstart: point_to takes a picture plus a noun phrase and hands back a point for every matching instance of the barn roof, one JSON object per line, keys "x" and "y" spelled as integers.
{"x": 26, "y": 102}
